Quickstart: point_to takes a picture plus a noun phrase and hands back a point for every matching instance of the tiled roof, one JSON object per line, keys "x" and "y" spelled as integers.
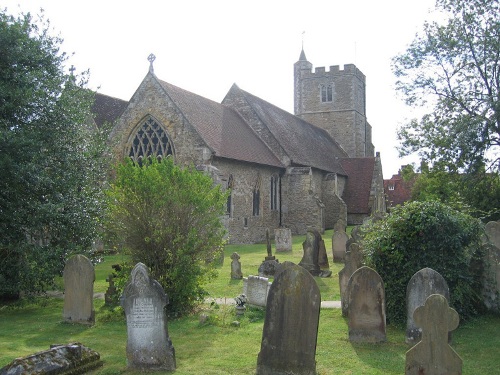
{"x": 398, "y": 190}
{"x": 221, "y": 127}
{"x": 304, "y": 143}
{"x": 359, "y": 182}
{"x": 107, "y": 109}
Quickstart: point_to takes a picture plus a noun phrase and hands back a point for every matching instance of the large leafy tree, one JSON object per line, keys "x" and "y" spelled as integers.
{"x": 50, "y": 160}
{"x": 453, "y": 69}
{"x": 168, "y": 218}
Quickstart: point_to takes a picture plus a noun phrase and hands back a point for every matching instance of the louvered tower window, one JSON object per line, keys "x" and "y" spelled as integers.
{"x": 150, "y": 140}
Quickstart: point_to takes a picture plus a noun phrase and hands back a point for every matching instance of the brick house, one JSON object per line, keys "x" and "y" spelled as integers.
{"x": 282, "y": 170}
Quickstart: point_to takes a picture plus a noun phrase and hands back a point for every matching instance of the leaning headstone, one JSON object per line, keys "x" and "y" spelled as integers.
{"x": 72, "y": 358}
{"x": 148, "y": 345}
{"x": 236, "y": 273}
{"x": 433, "y": 355}
{"x": 421, "y": 285}
{"x": 339, "y": 241}
{"x": 310, "y": 258}
{"x": 79, "y": 276}
{"x": 256, "y": 290}
{"x": 283, "y": 239}
{"x": 366, "y": 303}
{"x": 291, "y": 325}
{"x": 353, "y": 261}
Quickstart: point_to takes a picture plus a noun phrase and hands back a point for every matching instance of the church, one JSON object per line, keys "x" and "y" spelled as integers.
{"x": 301, "y": 171}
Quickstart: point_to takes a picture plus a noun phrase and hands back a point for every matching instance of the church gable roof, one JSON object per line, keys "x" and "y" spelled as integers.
{"x": 221, "y": 127}
{"x": 107, "y": 109}
{"x": 359, "y": 182}
{"x": 304, "y": 143}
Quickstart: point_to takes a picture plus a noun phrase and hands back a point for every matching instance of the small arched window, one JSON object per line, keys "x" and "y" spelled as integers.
{"x": 151, "y": 139}
{"x": 229, "y": 203}
{"x": 274, "y": 192}
{"x": 326, "y": 93}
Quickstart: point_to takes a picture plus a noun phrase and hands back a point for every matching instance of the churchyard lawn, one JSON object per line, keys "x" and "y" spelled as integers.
{"x": 218, "y": 347}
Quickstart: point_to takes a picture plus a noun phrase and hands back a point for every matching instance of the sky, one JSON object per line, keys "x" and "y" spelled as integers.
{"x": 205, "y": 46}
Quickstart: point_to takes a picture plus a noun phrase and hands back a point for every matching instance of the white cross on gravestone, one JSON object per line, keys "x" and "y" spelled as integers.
{"x": 151, "y": 59}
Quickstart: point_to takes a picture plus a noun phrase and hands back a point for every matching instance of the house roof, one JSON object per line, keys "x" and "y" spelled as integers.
{"x": 357, "y": 190}
{"x": 398, "y": 190}
{"x": 107, "y": 109}
{"x": 221, "y": 127}
{"x": 304, "y": 143}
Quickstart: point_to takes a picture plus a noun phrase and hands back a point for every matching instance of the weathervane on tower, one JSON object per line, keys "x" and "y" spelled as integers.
{"x": 151, "y": 58}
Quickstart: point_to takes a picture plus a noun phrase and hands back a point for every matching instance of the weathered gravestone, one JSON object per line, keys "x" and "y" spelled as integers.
{"x": 339, "y": 240}
{"x": 291, "y": 325}
{"x": 236, "y": 267}
{"x": 322, "y": 257}
{"x": 283, "y": 239}
{"x": 491, "y": 281}
{"x": 256, "y": 290}
{"x": 72, "y": 359}
{"x": 310, "y": 258}
{"x": 79, "y": 276}
{"x": 492, "y": 230}
{"x": 270, "y": 263}
{"x": 148, "y": 345}
{"x": 353, "y": 261}
{"x": 366, "y": 304}
{"x": 421, "y": 285}
{"x": 432, "y": 355}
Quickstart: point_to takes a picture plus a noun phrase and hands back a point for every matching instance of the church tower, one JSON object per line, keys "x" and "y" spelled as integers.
{"x": 334, "y": 100}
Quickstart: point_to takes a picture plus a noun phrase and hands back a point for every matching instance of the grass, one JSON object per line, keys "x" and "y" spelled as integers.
{"x": 217, "y": 347}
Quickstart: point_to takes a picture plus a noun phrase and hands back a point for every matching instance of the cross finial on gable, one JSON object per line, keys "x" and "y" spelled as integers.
{"x": 151, "y": 59}
{"x": 72, "y": 70}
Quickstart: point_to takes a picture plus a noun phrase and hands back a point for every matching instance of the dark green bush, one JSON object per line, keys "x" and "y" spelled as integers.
{"x": 426, "y": 234}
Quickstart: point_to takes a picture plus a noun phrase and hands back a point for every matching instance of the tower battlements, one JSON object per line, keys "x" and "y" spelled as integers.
{"x": 349, "y": 69}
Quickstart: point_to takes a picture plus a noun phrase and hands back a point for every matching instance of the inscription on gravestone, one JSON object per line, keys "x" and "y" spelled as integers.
{"x": 256, "y": 289}
{"x": 148, "y": 345}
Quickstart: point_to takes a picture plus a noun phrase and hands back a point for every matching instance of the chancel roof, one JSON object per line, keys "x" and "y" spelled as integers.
{"x": 221, "y": 127}
{"x": 357, "y": 190}
{"x": 304, "y": 143}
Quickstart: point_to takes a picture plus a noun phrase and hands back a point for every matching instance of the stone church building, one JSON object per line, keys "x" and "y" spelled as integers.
{"x": 300, "y": 171}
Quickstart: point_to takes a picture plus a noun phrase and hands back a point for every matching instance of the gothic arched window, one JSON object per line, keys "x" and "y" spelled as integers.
{"x": 326, "y": 93}
{"x": 150, "y": 139}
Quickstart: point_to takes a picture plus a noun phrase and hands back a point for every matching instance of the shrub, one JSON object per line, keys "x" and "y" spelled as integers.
{"x": 169, "y": 218}
{"x": 426, "y": 234}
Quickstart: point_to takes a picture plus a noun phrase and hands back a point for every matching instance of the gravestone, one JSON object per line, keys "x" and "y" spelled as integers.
{"x": 421, "y": 285}
{"x": 291, "y": 325}
{"x": 353, "y": 261}
{"x": 79, "y": 276}
{"x": 283, "y": 239}
{"x": 366, "y": 304}
{"x": 339, "y": 241}
{"x": 270, "y": 263}
{"x": 148, "y": 345}
{"x": 73, "y": 358}
{"x": 110, "y": 297}
{"x": 236, "y": 267}
{"x": 322, "y": 257}
{"x": 256, "y": 290}
{"x": 310, "y": 258}
{"x": 492, "y": 230}
{"x": 433, "y": 355}
{"x": 491, "y": 280}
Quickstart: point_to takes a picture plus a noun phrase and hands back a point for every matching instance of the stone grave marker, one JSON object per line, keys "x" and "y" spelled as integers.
{"x": 353, "y": 261}
{"x": 270, "y": 264}
{"x": 339, "y": 241}
{"x": 310, "y": 258}
{"x": 111, "y": 295}
{"x": 492, "y": 230}
{"x": 79, "y": 276}
{"x": 366, "y": 304}
{"x": 256, "y": 290}
{"x": 283, "y": 239}
{"x": 322, "y": 257}
{"x": 236, "y": 273}
{"x": 433, "y": 355}
{"x": 421, "y": 285}
{"x": 148, "y": 345}
{"x": 291, "y": 325}
{"x": 73, "y": 358}
{"x": 491, "y": 281}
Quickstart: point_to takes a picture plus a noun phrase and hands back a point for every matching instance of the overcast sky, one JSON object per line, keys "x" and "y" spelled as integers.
{"x": 205, "y": 46}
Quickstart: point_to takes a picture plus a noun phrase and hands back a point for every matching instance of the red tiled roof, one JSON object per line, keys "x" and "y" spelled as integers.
{"x": 398, "y": 190}
{"x": 221, "y": 127}
{"x": 107, "y": 109}
{"x": 304, "y": 143}
{"x": 359, "y": 181}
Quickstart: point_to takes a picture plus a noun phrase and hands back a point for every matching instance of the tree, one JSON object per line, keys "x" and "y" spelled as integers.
{"x": 427, "y": 234}
{"x": 453, "y": 70}
{"x": 169, "y": 218}
{"x": 51, "y": 161}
